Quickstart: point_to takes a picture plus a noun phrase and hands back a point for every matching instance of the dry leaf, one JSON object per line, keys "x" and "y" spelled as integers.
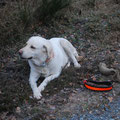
{"x": 80, "y": 58}
{"x": 110, "y": 99}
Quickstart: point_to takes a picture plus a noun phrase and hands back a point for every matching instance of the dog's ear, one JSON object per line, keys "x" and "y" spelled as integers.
{"x": 48, "y": 50}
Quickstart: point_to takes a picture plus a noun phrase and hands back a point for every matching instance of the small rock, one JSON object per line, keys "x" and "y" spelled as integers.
{"x": 18, "y": 110}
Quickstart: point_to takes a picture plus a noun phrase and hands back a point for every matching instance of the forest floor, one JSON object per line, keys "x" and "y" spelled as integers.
{"x": 96, "y": 36}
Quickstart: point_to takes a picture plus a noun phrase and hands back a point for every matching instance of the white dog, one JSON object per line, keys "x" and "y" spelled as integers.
{"x": 47, "y": 58}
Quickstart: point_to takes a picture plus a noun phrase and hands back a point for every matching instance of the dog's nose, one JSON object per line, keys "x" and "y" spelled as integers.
{"x": 20, "y": 52}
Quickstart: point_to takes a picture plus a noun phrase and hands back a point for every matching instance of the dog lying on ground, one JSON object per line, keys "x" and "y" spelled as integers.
{"x": 47, "y": 58}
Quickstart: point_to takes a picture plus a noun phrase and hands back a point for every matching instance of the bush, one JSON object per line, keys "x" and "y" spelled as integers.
{"x": 15, "y": 16}
{"x": 48, "y": 8}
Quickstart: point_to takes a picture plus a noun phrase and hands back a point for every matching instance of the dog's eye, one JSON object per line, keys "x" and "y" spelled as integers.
{"x": 32, "y": 47}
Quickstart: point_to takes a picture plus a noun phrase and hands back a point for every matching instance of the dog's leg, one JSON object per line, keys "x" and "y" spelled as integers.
{"x": 34, "y": 76}
{"x": 74, "y": 60}
{"x": 46, "y": 81}
{"x": 70, "y": 51}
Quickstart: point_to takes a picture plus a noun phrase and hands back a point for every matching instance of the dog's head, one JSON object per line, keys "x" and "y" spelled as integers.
{"x": 36, "y": 47}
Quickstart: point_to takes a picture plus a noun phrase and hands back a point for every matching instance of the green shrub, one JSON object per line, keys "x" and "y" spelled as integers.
{"x": 48, "y": 8}
{"x": 16, "y": 15}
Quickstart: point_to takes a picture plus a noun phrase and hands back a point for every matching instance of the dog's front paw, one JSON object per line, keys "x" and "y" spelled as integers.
{"x": 37, "y": 94}
{"x": 77, "y": 65}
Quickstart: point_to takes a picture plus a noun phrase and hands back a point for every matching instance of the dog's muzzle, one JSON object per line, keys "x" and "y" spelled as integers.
{"x": 20, "y": 54}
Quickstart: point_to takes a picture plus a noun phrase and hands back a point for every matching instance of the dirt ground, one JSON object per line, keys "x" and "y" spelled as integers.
{"x": 94, "y": 29}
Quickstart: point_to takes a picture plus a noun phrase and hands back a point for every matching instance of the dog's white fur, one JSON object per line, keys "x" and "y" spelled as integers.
{"x": 47, "y": 58}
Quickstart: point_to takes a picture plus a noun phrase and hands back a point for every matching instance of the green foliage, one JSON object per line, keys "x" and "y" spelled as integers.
{"x": 16, "y": 15}
{"x": 48, "y": 8}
